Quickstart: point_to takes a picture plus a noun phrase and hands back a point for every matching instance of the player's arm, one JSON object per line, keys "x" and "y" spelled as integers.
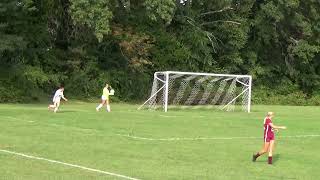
{"x": 277, "y": 127}
{"x": 62, "y": 96}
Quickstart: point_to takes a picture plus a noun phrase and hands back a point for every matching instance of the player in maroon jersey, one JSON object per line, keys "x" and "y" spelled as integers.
{"x": 268, "y": 137}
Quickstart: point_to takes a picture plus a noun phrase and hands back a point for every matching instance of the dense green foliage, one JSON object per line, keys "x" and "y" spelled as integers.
{"x": 79, "y": 135}
{"x": 85, "y": 43}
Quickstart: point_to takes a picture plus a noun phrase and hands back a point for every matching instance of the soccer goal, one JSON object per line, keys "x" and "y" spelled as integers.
{"x": 172, "y": 89}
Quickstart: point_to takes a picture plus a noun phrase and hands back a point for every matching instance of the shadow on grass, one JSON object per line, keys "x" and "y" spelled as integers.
{"x": 264, "y": 159}
{"x": 275, "y": 158}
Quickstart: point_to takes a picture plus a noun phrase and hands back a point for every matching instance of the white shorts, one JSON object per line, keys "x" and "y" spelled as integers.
{"x": 104, "y": 98}
{"x": 56, "y": 100}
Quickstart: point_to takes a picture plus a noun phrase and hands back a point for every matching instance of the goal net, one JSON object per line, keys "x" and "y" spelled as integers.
{"x": 171, "y": 89}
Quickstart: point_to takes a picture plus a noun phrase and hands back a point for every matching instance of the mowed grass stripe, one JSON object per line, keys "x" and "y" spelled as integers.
{"x": 80, "y": 135}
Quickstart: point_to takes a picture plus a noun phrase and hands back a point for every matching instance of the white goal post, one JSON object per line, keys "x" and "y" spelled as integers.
{"x": 176, "y": 89}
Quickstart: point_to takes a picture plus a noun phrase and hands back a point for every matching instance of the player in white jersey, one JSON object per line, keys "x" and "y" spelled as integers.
{"x": 56, "y": 99}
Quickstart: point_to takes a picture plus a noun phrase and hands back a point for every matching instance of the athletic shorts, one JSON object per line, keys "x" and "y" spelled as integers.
{"x": 105, "y": 98}
{"x": 56, "y": 100}
{"x": 268, "y": 137}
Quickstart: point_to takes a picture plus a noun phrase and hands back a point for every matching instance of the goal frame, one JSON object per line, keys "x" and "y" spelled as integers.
{"x": 165, "y": 85}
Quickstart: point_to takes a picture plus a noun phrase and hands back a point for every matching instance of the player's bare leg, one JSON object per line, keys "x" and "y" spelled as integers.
{"x": 57, "y": 104}
{"x": 100, "y": 105}
{"x": 270, "y": 151}
{"x": 261, "y": 152}
{"x": 51, "y": 107}
{"x": 108, "y": 106}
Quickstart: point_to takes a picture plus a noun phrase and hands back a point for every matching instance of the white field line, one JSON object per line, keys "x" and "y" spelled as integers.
{"x": 209, "y": 138}
{"x": 168, "y": 116}
{"x": 68, "y": 164}
{"x": 73, "y": 127}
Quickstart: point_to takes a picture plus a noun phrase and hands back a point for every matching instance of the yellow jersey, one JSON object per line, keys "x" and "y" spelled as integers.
{"x": 105, "y": 92}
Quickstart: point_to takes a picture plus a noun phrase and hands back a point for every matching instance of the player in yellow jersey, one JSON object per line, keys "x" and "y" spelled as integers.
{"x": 105, "y": 98}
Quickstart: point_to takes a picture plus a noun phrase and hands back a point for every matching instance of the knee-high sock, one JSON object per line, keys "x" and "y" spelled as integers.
{"x": 100, "y": 105}
{"x": 270, "y": 160}
{"x": 108, "y": 108}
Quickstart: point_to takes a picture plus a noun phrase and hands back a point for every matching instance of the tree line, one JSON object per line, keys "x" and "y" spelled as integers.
{"x": 85, "y": 43}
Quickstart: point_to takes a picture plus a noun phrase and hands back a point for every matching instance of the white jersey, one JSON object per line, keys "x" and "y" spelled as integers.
{"x": 58, "y": 95}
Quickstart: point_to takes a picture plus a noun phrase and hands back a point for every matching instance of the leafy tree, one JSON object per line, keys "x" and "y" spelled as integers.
{"x": 85, "y": 43}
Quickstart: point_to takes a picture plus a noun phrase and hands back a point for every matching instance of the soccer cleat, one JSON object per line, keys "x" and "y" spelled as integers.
{"x": 254, "y": 158}
{"x": 97, "y": 109}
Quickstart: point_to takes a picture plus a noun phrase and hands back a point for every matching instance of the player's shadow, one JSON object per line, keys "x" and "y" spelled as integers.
{"x": 264, "y": 159}
{"x": 275, "y": 158}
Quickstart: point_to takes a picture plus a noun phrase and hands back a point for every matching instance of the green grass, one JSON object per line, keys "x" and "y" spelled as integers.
{"x": 79, "y": 135}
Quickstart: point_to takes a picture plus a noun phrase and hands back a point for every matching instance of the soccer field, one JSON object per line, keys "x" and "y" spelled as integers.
{"x": 80, "y": 143}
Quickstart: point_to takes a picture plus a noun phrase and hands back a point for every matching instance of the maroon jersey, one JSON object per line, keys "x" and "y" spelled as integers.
{"x": 268, "y": 131}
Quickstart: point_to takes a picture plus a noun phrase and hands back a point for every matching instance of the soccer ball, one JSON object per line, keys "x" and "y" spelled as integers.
{"x": 111, "y": 92}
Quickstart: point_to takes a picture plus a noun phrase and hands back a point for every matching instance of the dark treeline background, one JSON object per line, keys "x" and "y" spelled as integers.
{"x": 85, "y": 43}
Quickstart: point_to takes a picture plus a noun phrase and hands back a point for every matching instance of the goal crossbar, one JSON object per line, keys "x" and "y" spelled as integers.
{"x": 202, "y": 74}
